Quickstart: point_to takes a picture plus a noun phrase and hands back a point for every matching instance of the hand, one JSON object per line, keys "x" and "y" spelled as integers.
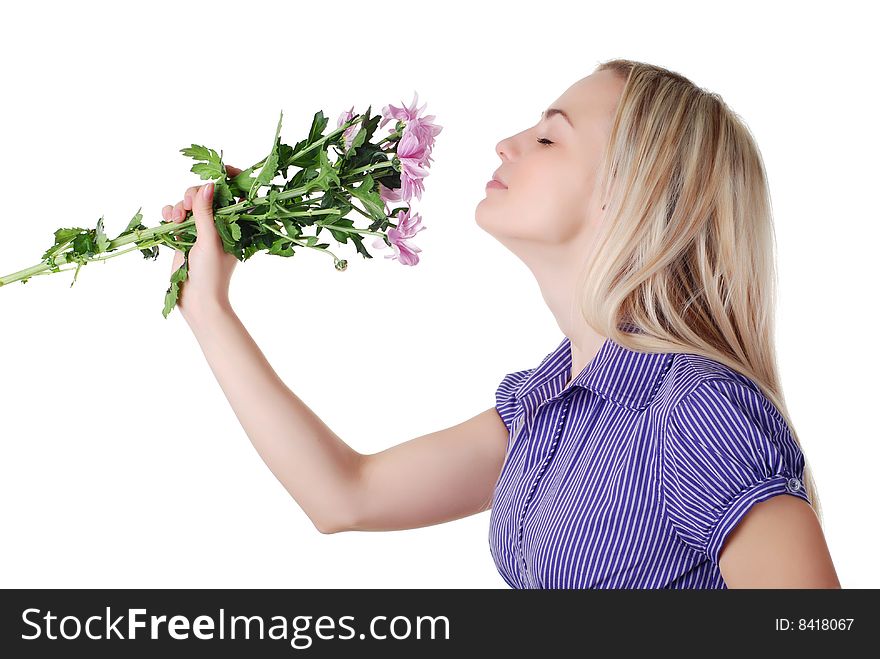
{"x": 210, "y": 267}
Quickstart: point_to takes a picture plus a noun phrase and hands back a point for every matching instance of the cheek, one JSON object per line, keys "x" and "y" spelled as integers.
{"x": 544, "y": 204}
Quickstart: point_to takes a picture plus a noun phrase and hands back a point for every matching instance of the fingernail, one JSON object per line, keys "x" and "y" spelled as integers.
{"x": 208, "y": 190}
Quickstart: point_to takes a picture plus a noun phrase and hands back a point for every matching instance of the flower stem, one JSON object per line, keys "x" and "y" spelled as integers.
{"x": 336, "y": 259}
{"x": 352, "y": 229}
{"x": 369, "y": 168}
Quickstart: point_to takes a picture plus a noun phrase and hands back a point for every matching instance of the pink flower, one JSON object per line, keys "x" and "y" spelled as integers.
{"x": 405, "y": 114}
{"x": 389, "y": 194}
{"x": 407, "y": 227}
{"x": 425, "y": 130}
{"x": 351, "y": 132}
{"x": 415, "y": 146}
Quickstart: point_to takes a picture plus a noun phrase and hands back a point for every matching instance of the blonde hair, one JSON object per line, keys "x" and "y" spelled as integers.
{"x": 686, "y": 251}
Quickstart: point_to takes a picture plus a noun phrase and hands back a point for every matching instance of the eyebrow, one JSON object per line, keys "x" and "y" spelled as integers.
{"x": 551, "y": 111}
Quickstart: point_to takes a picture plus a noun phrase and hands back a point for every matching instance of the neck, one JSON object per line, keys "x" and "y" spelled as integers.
{"x": 557, "y": 278}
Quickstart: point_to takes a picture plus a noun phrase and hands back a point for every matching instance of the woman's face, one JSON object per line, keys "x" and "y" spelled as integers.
{"x": 548, "y": 200}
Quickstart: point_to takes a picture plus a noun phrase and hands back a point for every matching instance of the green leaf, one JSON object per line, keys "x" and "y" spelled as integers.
{"x": 151, "y": 253}
{"x": 370, "y": 124}
{"x": 240, "y": 184}
{"x": 230, "y": 232}
{"x": 249, "y": 251}
{"x": 84, "y": 244}
{"x": 358, "y": 241}
{"x": 290, "y": 227}
{"x": 63, "y": 235}
{"x": 270, "y": 167}
{"x": 285, "y": 152}
{"x": 340, "y": 236}
{"x": 281, "y": 247}
{"x": 198, "y": 152}
{"x": 211, "y": 167}
{"x": 135, "y": 222}
{"x": 319, "y": 123}
{"x": 328, "y": 172}
{"x": 222, "y": 193}
{"x": 369, "y": 198}
{"x": 338, "y": 222}
{"x": 205, "y": 169}
{"x": 177, "y": 279}
{"x": 101, "y": 240}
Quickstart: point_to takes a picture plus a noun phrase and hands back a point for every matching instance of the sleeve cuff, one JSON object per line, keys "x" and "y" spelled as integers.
{"x": 738, "y": 507}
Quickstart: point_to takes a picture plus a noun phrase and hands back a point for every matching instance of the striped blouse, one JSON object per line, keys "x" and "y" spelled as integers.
{"x": 635, "y": 474}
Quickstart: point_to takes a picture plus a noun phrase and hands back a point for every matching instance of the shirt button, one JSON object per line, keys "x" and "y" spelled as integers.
{"x": 793, "y": 484}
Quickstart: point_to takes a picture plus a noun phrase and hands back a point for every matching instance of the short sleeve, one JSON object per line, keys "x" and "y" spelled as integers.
{"x": 726, "y": 448}
{"x": 505, "y": 395}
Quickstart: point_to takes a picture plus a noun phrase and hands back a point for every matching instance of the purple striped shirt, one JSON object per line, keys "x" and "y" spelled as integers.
{"x": 635, "y": 474}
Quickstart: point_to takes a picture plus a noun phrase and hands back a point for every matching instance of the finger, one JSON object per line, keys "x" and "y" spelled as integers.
{"x": 166, "y": 212}
{"x": 203, "y": 212}
{"x": 187, "y": 197}
{"x": 178, "y": 212}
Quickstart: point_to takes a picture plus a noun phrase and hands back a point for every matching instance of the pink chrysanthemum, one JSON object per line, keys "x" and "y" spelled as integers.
{"x": 407, "y": 227}
{"x": 414, "y": 148}
{"x": 351, "y": 132}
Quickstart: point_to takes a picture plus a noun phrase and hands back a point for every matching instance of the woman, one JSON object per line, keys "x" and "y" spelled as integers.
{"x": 647, "y": 449}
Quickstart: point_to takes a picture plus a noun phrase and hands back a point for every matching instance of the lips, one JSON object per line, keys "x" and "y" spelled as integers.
{"x": 496, "y": 177}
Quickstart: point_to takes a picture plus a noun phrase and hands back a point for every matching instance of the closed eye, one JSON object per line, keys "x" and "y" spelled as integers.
{"x": 544, "y": 140}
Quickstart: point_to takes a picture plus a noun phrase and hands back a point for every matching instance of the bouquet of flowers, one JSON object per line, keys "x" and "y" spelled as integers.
{"x": 366, "y": 176}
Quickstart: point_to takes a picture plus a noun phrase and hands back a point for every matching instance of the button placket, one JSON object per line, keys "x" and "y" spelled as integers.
{"x": 550, "y": 454}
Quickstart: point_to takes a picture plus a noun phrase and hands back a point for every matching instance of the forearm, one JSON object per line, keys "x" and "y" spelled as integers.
{"x": 316, "y": 467}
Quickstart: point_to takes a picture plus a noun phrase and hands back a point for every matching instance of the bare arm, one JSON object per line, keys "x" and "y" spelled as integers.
{"x": 316, "y": 467}
{"x": 431, "y": 479}
{"x": 778, "y": 544}
{"x": 435, "y": 478}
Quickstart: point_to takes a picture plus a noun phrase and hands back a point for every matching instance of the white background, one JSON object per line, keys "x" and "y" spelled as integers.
{"x": 121, "y": 462}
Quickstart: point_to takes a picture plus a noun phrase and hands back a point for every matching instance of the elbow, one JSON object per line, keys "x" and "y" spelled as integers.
{"x": 325, "y": 529}
{"x": 329, "y": 528}
{"x": 346, "y": 513}
{"x": 335, "y": 524}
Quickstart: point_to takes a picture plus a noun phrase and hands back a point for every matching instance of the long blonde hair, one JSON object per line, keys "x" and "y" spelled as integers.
{"x": 686, "y": 251}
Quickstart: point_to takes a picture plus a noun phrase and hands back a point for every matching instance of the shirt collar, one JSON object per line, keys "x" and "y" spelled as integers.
{"x": 626, "y": 377}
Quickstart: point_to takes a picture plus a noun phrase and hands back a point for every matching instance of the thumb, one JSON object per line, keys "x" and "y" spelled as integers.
{"x": 203, "y": 212}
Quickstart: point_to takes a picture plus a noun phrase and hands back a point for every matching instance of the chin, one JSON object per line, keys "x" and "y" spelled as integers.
{"x": 491, "y": 220}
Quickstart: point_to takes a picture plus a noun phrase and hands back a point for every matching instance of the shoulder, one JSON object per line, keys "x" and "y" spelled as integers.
{"x": 698, "y": 382}
{"x": 506, "y": 401}
{"x": 725, "y": 447}
{"x": 511, "y": 382}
